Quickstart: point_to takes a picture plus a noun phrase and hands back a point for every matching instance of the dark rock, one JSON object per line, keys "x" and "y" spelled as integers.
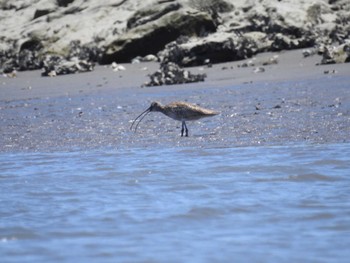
{"x": 64, "y": 3}
{"x": 28, "y": 60}
{"x": 88, "y": 52}
{"x": 7, "y": 61}
{"x": 284, "y": 42}
{"x": 340, "y": 54}
{"x": 152, "y": 37}
{"x": 220, "y": 48}
{"x": 170, "y": 73}
{"x": 80, "y": 58}
{"x": 50, "y": 64}
{"x": 28, "y": 57}
{"x": 41, "y": 12}
{"x": 31, "y": 45}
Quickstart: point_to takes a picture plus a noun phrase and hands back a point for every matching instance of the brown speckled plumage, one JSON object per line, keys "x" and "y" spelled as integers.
{"x": 180, "y": 111}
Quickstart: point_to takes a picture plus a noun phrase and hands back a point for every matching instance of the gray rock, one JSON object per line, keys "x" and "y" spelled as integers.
{"x": 153, "y": 36}
{"x": 64, "y": 3}
{"x": 285, "y": 42}
{"x": 218, "y": 31}
{"x": 42, "y": 12}
{"x": 339, "y": 54}
{"x": 218, "y": 47}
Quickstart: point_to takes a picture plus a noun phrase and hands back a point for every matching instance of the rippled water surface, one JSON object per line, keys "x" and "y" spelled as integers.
{"x": 258, "y": 204}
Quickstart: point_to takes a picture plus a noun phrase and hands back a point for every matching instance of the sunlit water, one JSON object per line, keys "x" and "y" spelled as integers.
{"x": 258, "y": 204}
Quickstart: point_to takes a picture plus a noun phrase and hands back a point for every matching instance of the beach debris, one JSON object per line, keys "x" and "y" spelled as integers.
{"x": 265, "y": 62}
{"x": 249, "y": 63}
{"x": 10, "y": 73}
{"x": 259, "y": 70}
{"x": 170, "y": 73}
{"x": 336, "y": 104}
{"x": 339, "y": 54}
{"x": 227, "y": 67}
{"x": 308, "y": 52}
{"x": 271, "y": 61}
{"x": 116, "y": 67}
{"x": 330, "y": 71}
{"x": 147, "y": 58}
{"x": 52, "y": 73}
{"x": 136, "y": 60}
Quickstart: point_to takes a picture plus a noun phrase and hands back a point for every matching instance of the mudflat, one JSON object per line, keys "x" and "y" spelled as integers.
{"x": 291, "y": 102}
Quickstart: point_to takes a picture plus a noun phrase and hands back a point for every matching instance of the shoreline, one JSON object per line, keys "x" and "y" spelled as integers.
{"x": 292, "y": 102}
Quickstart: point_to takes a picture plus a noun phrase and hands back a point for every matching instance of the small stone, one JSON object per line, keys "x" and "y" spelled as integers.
{"x": 259, "y": 70}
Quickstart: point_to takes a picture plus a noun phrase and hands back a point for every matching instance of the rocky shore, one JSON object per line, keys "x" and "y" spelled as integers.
{"x": 274, "y": 69}
{"x": 69, "y": 36}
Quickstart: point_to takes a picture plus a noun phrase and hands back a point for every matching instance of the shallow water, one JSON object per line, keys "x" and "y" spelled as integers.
{"x": 249, "y": 204}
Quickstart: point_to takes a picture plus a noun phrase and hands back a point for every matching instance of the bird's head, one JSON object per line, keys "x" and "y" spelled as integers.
{"x": 155, "y": 106}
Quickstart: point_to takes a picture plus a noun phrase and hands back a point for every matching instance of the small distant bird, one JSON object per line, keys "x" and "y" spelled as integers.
{"x": 180, "y": 111}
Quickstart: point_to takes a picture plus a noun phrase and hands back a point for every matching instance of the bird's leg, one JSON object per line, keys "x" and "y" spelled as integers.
{"x": 184, "y": 124}
{"x": 182, "y": 128}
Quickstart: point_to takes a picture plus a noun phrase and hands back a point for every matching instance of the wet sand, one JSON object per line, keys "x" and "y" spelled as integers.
{"x": 292, "y": 102}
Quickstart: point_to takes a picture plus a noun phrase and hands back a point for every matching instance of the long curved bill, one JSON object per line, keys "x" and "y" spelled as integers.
{"x": 143, "y": 114}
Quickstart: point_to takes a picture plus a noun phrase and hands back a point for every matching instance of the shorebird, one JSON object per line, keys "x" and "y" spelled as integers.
{"x": 180, "y": 111}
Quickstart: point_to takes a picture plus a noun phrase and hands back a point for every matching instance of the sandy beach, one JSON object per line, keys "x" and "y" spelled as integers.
{"x": 292, "y": 102}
